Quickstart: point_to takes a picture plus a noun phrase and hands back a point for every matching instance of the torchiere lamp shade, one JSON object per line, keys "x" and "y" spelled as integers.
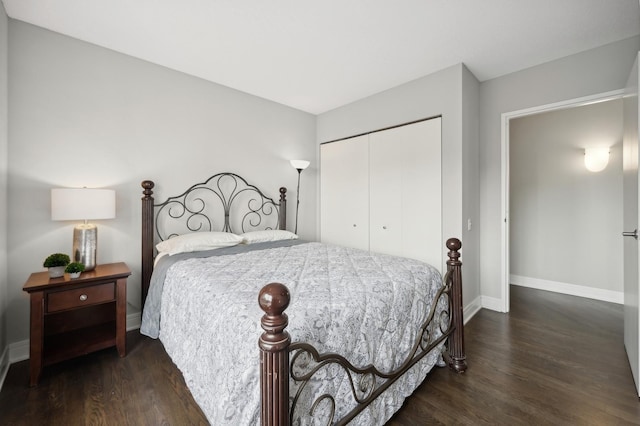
{"x": 299, "y": 165}
{"x": 83, "y": 204}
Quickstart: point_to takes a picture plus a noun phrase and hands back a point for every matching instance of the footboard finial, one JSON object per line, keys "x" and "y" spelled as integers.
{"x": 274, "y": 355}
{"x": 457, "y": 357}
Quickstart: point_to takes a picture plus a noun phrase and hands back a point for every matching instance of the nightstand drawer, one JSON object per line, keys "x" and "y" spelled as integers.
{"x": 85, "y": 296}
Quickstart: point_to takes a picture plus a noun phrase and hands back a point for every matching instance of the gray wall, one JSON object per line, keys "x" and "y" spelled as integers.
{"x": 440, "y": 93}
{"x": 471, "y": 186}
{"x": 595, "y": 71}
{"x": 4, "y": 152}
{"x": 82, "y": 115}
{"x": 565, "y": 220}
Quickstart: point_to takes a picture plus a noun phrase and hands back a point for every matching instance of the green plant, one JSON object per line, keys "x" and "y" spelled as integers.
{"x": 74, "y": 267}
{"x": 56, "y": 259}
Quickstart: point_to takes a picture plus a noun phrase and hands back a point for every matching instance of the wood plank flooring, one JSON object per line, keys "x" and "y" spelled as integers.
{"x": 554, "y": 359}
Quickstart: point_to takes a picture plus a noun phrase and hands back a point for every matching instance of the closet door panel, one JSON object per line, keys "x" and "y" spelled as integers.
{"x": 405, "y": 192}
{"x": 386, "y": 162}
{"x": 344, "y": 192}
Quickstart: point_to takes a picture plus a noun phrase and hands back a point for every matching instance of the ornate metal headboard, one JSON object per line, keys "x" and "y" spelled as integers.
{"x": 224, "y": 202}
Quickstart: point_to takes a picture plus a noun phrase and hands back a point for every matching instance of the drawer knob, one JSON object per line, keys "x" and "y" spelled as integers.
{"x": 83, "y": 297}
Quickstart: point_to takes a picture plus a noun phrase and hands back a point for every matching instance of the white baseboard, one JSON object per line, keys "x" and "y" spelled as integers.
{"x": 571, "y": 289}
{"x": 4, "y": 366}
{"x": 471, "y": 309}
{"x": 493, "y": 303}
{"x": 134, "y": 321}
{"x": 19, "y": 351}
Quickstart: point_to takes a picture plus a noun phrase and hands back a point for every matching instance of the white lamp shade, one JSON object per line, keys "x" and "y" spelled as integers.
{"x": 299, "y": 164}
{"x": 82, "y": 203}
{"x": 596, "y": 159}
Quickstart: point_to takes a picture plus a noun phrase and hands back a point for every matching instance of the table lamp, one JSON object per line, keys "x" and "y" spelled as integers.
{"x": 83, "y": 204}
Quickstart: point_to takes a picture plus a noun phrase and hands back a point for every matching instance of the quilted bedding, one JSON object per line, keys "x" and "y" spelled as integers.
{"x": 364, "y": 306}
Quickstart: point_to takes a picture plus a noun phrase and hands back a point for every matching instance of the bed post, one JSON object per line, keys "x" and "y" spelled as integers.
{"x": 282, "y": 213}
{"x": 147, "y": 238}
{"x": 274, "y": 356}
{"x": 457, "y": 357}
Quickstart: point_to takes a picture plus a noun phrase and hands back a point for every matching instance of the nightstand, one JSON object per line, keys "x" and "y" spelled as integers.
{"x": 70, "y": 318}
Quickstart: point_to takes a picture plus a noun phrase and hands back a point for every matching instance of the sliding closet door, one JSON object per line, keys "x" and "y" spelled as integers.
{"x": 344, "y": 192}
{"x": 405, "y": 191}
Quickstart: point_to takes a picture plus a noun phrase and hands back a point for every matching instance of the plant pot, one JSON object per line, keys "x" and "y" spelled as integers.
{"x": 56, "y": 272}
{"x": 74, "y": 275}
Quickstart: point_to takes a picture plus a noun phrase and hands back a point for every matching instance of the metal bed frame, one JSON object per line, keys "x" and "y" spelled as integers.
{"x": 282, "y": 361}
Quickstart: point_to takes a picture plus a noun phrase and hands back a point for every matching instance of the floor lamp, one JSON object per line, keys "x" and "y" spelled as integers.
{"x": 299, "y": 165}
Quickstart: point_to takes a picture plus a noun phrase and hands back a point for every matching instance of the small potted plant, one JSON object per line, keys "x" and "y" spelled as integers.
{"x": 74, "y": 269}
{"x": 56, "y": 264}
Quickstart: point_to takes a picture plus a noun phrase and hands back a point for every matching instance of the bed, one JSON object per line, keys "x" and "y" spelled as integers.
{"x": 361, "y": 330}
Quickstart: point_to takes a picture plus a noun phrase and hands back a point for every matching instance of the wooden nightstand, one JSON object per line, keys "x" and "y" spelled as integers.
{"x": 75, "y": 317}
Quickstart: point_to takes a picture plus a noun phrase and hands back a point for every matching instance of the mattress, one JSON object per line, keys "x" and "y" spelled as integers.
{"x": 367, "y": 307}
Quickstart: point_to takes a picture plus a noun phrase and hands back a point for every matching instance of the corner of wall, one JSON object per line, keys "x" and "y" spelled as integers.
{"x": 470, "y": 105}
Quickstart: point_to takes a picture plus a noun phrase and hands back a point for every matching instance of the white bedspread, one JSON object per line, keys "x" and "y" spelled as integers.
{"x": 364, "y": 306}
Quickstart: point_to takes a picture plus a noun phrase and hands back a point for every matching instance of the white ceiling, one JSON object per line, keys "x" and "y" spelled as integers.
{"x": 322, "y": 54}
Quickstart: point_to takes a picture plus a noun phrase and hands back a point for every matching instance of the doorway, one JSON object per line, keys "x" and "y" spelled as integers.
{"x": 506, "y": 184}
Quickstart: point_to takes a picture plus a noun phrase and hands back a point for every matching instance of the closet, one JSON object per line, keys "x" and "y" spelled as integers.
{"x": 382, "y": 191}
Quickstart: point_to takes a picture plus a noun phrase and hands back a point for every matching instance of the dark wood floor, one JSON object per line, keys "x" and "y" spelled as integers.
{"x": 553, "y": 360}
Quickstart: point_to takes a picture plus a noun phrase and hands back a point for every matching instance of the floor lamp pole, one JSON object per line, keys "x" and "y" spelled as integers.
{"x": 299, "y": 165}
{"x": 297, "y": 200}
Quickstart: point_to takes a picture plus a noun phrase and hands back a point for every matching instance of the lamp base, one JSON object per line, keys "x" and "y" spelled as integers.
{"x": 85, "y": 242}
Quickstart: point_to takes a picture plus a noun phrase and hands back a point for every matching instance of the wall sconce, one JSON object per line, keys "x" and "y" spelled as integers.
{"x": 596, "y": 159}
{"x": 299, "y": 165}
{"x": 83, "y": 204}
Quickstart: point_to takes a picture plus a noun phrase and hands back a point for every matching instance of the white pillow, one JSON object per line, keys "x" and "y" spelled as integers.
{"x": 198, "y": 241}
{"x": 267, "y": 235}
